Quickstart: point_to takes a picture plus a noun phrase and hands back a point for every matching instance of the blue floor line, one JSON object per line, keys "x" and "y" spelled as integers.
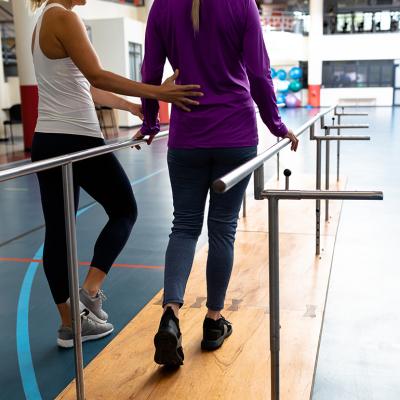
{"x": 26, "y": 368}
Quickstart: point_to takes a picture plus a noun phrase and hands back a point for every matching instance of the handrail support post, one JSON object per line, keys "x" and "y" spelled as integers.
{"x": 274, "y": 323}
{"x": 73, "y": 275}
{"x": 327, "y": 171}
{"x": 318, "y": 202}
{"x": 258, "y": 182}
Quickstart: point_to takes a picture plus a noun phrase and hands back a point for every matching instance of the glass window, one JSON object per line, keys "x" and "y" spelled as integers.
{"x": 366, "y": 73}
{"x": 387, "y": 75}
{"x": 135, "y": 61}
{"x": 362, "y": 75}
{"x": 374, "y": 74}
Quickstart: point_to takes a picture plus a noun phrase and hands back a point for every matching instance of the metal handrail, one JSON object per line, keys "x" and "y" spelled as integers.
{"x": 229, "y": 180}
{"x": 54, "y": 162}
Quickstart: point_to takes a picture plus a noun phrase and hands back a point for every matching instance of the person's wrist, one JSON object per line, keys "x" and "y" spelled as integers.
{"x": 126, "y": 105}
{"x": 155, "y": 92}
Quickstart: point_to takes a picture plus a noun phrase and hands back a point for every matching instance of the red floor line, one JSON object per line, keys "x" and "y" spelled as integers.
{"x": 117, "y": 265}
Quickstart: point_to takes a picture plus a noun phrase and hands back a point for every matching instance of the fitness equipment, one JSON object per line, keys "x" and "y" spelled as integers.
{"x": 281, "y": 74}
{"x": 296, "y": 73}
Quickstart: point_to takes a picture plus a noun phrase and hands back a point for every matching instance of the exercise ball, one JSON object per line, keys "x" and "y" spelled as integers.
{"x": 280, "y": 98}
{"x": 273, "y": 73}
{"x": 281, "y": 74}
{"x": 296, "y": 73}
{"x": 292, "y": 101}
{"x": 295, "y": 86}
{"x": 283, "y": 86}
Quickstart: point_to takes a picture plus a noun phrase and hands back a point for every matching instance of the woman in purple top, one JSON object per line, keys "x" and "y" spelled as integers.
{"x": 220, "y": 46}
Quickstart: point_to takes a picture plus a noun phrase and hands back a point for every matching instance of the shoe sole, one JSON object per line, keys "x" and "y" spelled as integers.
{"x": 67, "y": 344}
{"x": 210, "y": 345}
{"x": 167, "y": 349}
{"x": 90, "y": 314}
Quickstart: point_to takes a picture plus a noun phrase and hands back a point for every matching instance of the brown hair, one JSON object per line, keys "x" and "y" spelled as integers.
{"x": 196, "y": 15}
{"x": 35, "y": 4}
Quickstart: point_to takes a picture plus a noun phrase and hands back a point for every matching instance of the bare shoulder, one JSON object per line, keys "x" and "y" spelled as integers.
{"x": 62, "y": 19}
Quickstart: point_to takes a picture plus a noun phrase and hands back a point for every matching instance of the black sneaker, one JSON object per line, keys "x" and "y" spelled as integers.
{"x": 168, "y": 341}
{"x": 215, "y": 332}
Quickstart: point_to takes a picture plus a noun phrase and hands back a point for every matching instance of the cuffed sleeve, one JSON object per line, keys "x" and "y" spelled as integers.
{"x": 258, "y": 70}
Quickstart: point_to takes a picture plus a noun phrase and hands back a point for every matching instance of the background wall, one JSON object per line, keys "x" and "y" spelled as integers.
{"x": 96, "y": 9}
{"x": 370, "y": 96}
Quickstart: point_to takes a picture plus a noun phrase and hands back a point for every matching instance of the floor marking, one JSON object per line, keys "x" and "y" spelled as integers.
{"x": 83, "y": 263}
{"x": 199, "y": 302}
{"x": 16, "y": 189}
{"x": 27, "y": 370}
{"x": 311, "y": 309}
{"x": 235, "y": 305}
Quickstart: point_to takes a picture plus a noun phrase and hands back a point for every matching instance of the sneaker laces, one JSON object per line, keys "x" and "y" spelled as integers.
{"x": 101, "y": 295}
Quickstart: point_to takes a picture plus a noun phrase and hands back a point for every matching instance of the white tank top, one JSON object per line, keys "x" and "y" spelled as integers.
{"x": 65, "y": 101}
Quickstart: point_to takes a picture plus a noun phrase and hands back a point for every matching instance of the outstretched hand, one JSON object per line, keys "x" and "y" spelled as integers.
{"x": 179, "y": 94}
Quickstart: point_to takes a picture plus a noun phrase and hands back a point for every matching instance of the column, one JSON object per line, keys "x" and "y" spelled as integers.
{"x": 314, "y": 52}
{"x": 24, "y": 22}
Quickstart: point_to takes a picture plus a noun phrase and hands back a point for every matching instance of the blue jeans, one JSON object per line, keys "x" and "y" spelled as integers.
{"x": 192, "y": 172}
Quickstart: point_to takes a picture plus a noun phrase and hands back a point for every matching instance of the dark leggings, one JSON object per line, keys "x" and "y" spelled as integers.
{"x": 101, "y": 177}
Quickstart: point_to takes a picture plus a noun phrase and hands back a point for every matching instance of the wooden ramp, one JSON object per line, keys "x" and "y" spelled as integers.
{"x": 240, "y": 369}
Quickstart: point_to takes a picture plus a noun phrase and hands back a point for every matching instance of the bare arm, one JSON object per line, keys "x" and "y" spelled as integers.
{"x": 71, "y": 33}
{"x": 103, "y": 98}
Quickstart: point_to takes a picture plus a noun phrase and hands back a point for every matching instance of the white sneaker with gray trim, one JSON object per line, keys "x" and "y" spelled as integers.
{"x": 91, "y": 330}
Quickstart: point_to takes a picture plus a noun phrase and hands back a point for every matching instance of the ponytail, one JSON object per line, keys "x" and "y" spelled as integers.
{"x": 196, "y": 15}
{"x": 36, "y": 4}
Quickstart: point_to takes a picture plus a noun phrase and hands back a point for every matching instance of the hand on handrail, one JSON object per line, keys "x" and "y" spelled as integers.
{"x": 293, "y": 139}
{"x": 140, "y": 136}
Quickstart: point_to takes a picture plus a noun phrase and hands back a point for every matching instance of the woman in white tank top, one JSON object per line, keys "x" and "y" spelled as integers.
{"x": 71, "y": 80}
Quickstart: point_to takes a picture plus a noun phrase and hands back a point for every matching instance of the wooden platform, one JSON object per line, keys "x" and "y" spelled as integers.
{"x": 240, "y": 369}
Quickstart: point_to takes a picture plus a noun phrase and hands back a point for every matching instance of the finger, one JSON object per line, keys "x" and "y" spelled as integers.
{"x": 150, "y": 140}
{"x": 190, "y": 87}
{"x": 189, "y": 101}
{"x": 182, "y": 106}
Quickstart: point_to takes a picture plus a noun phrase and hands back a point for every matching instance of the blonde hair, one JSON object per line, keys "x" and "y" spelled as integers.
{"x": 35, "y": 4}
{"x": 196, "y": 15}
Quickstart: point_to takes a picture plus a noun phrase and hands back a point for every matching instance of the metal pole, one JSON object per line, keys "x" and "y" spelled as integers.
{"x": 318, "y": 202}
{"x": 274, "y": 325}
{"x": 70, "y": 227}
{"x": 258, "y": 182}
{"x": 312, "y": 131}
{"x": 338, "y": 153}
{"x": 277, "y": 162}
{"x": 327, "y": 162}
{"x": 244, "y": 205}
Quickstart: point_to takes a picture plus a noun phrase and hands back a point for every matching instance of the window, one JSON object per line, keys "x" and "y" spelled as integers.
{"x": 368, "y": 73}
{"x": 135, "y": 61}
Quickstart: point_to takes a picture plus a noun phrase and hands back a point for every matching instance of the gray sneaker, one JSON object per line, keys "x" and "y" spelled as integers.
{"x": 91, "y": 330}
{"x": 94, "y": 305}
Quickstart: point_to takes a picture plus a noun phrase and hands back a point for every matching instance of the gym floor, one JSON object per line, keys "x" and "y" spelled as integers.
{"x": 360, "y": 341}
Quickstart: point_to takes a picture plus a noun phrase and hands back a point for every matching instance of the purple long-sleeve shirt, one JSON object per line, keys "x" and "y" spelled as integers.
{"x": 227, "y": 57}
